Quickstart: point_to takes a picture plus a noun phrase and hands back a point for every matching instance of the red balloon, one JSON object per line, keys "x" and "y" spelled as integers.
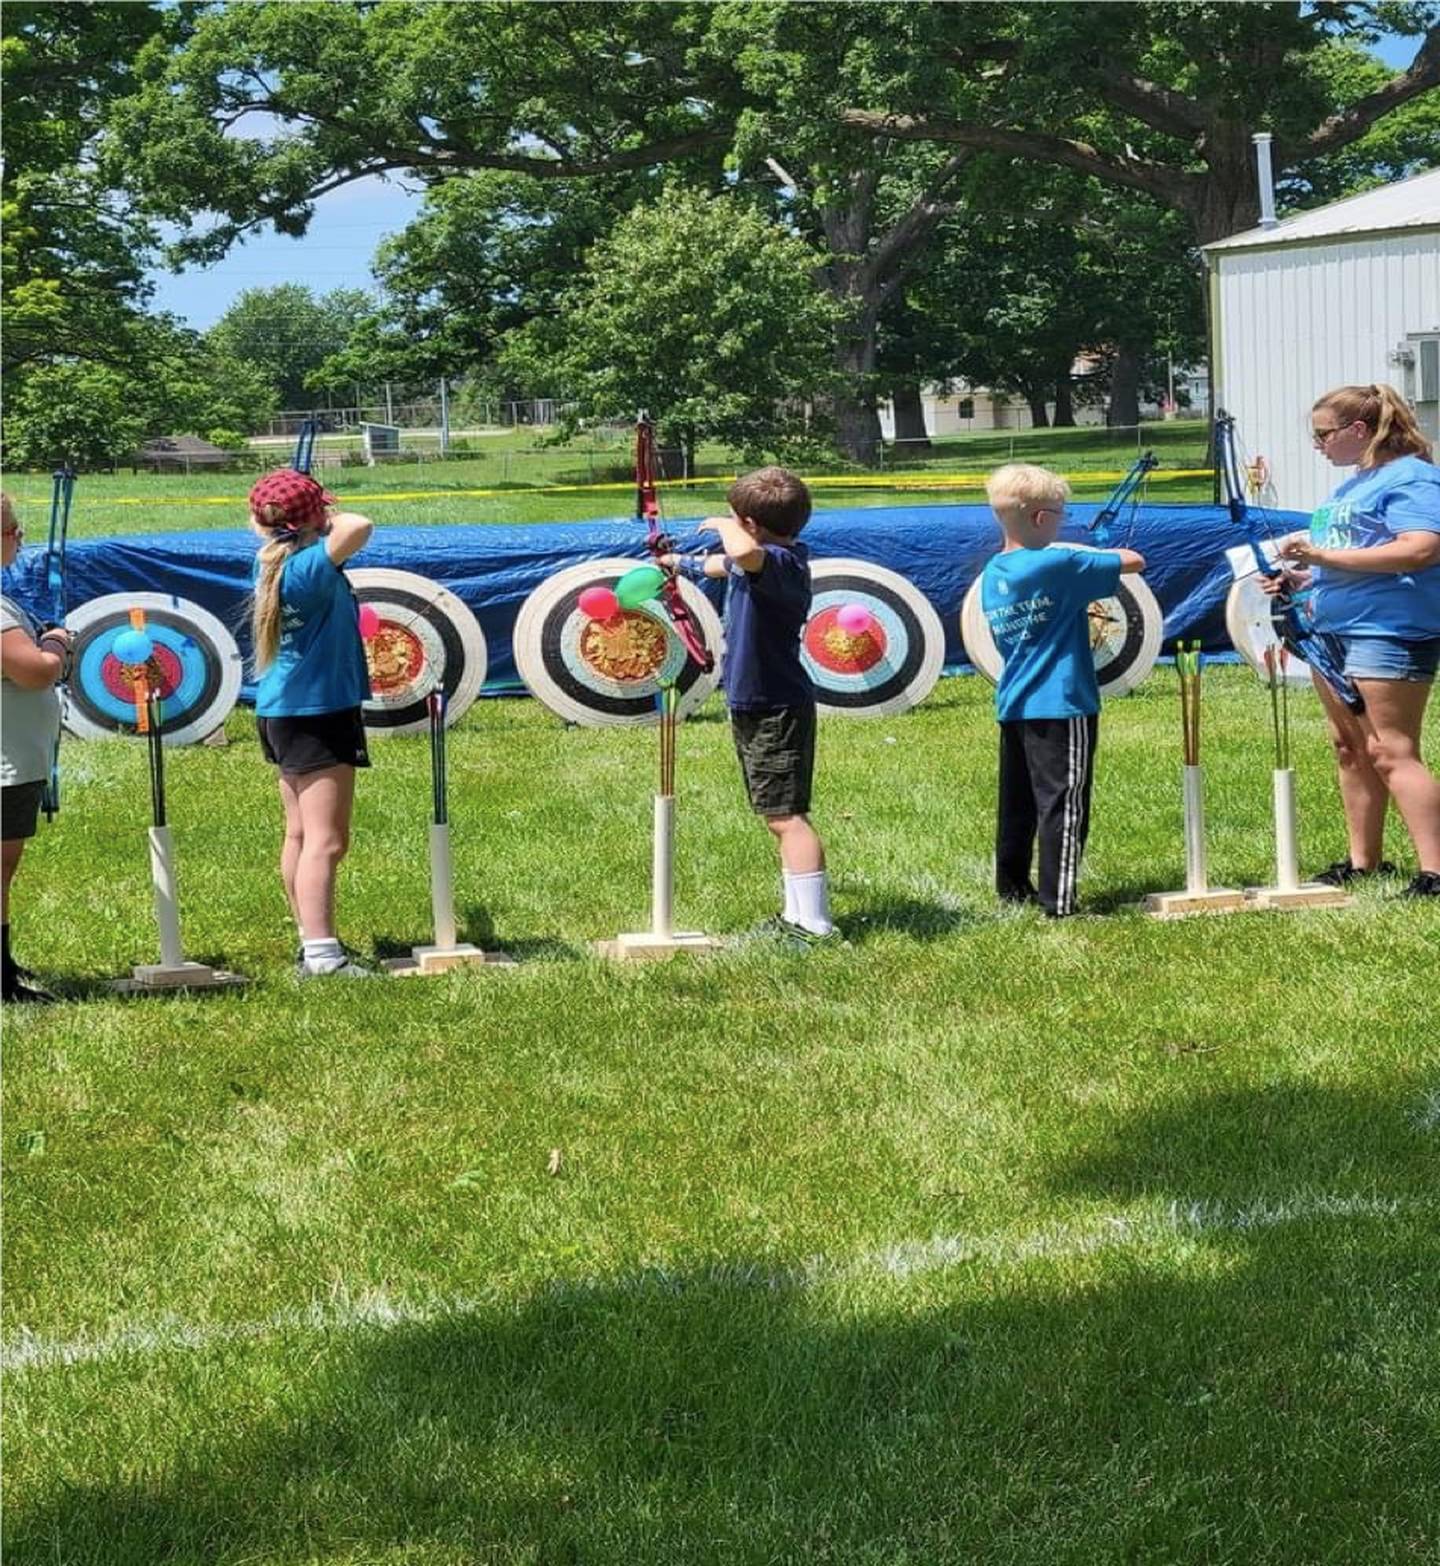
{"x": 600, "y": 603}
{"x": 369, "y": 621}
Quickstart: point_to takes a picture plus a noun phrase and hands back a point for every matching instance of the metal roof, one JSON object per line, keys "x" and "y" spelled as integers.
{"x": 1408, "y": 203}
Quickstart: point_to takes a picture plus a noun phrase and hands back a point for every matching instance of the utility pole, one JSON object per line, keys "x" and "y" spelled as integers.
{"x": 444, "y": 418}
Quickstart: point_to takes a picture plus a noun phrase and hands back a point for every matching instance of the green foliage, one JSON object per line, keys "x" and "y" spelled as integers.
{"x": 78, "y": 412}
{"x": 286, "y": 333}
{"x": 75, "y": 245}
{"x": 700, "y": 309}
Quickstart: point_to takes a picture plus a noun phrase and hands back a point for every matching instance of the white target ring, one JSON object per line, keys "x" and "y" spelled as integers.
{"x": 889, "y": 667}
{"x": 196, "y": 668}
{"x": 1125, "y": 634}
{"x": 1247, "y": 619}
{"x": 427, "y": 639}
{"x": 607, "y": 675}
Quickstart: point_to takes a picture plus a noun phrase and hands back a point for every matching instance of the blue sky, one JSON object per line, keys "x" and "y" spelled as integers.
{"x": 348, "y": 225}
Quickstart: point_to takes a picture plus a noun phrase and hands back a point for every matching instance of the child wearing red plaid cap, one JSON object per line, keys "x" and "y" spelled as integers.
{"x": 313, "y": 679}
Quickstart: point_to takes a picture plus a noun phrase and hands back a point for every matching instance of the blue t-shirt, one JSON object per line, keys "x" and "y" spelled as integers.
{"x": 765, "y": 612}
{"x": 1037, "y": 602}
{"x": 320, "y": 666}
{"x": 1371, "y": 508}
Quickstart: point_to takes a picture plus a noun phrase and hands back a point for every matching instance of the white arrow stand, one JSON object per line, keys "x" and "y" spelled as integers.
{"x": 662, "y": 939}
{"x": 1289, "y": 891}
{"x": 1199, "y": 896}
{"x": 445, "y": 952}
{"x": 172, "y": 972}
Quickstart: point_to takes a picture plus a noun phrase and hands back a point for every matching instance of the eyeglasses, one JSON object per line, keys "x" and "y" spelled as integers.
{"x": 1322, "y": 437}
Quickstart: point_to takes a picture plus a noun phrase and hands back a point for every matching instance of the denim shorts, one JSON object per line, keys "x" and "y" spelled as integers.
{"x": 1389, "y": 658}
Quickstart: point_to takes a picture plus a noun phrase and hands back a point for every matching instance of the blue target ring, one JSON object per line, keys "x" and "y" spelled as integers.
{"x": 192, "y": 650}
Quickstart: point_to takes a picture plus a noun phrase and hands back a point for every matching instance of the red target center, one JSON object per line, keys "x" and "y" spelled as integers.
{"x": 833, "y": 648}
{"x": 395, "y": 657}
{"x": 162, "y": 672}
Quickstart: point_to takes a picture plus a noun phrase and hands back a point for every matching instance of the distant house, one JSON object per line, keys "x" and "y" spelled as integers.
{"x": 180, "y": 453}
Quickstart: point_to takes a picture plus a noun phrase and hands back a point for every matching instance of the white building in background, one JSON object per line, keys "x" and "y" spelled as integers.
{"x": 1345, "y": 295}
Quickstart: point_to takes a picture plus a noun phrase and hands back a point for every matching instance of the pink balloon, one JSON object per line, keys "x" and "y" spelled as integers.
{"x": 369, "y": 621}
{"x": 599, "y": 603}
{"x": 854, "y": 619}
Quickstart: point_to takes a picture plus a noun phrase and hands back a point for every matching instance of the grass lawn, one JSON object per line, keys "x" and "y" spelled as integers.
{"x": 978, "y": 1239}
{"x": 514, "y": 482}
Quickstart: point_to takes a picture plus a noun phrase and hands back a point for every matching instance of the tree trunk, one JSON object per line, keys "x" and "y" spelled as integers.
{"x": 909, "y": 416}
{"x": 1064, "y": 402}
{"x": 1124, "y": 409}
{"x": 1039, "y": 409}
{"x": 857, "y": 424}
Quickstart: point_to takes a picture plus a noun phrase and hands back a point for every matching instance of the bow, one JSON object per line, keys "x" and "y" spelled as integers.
{"x": 61, "y": 494}
{"x": 1289, "y": 612}
{"x": 647, "y": 510}
{"x": 1125, "y": 493}
{"x": 304, "y": 447}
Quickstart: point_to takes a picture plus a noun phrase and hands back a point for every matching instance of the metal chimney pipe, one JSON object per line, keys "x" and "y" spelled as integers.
{"x": 1262, "y": 141}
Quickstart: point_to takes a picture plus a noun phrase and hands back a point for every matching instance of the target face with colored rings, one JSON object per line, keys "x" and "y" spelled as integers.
{"x": 427, "y": 639}
{"x": 609, "y": 673}
{"x": 891, "y": 665}
{"x": 195, "y": 668}
{"x": 1125, "y": 634}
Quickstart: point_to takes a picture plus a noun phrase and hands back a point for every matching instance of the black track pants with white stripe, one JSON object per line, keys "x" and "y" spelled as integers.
{"x": 1046, "y": 769}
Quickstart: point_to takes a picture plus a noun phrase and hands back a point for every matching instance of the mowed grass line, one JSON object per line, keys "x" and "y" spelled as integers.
{"x": 980, "y": 1238}
{"x": 434, "y": 493}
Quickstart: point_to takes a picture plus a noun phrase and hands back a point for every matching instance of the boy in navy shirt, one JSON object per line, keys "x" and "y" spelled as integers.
{"x": 770, "y": 696}
{"x": 1037, "y": 597}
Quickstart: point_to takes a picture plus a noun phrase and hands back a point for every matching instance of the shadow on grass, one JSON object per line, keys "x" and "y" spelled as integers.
{"x": 912, "y": 916}
{"x": 1264, "y": 1392}
{"x": 476, "y": 926}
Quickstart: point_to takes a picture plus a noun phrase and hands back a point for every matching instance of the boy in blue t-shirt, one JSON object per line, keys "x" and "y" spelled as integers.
{"x": 1037, "y": 598}
{"x": 770, "y": 696}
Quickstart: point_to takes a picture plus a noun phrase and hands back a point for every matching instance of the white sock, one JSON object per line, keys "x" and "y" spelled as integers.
{"x": 811, "y": 900}
{"x": 792, "y": 904}
{"x": 321, "y": 956}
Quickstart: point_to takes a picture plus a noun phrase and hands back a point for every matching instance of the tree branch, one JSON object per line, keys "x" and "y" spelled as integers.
{"x": 1159, "y": 107}
{"x": 1170, "y": 185}
{"x": 1352, "y": 122}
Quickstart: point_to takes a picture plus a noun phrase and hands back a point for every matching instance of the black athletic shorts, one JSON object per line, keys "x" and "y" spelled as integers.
{"x": 20, "y": 808}
{"x": 310, "y": 744}
{"x": 777, "y": 756}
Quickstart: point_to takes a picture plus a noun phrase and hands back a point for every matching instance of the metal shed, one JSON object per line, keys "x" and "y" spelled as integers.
{"x": 1344, "y": 295}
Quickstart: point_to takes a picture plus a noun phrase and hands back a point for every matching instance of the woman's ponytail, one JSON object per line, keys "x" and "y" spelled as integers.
{"x": 265, "y": 605}
{"x": 1383, "y": 411}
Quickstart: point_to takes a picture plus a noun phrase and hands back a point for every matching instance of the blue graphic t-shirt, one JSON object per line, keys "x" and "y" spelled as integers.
{"x": 1374, "y": 507}
{"x": 765, "y": 612}
{"x": 320, "y": 666}
{"x": 1037, "y": 602}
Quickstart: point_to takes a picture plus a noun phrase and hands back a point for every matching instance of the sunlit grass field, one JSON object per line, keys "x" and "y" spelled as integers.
{"x": 517, "y": 480}
{"x": 976, "y": 1239}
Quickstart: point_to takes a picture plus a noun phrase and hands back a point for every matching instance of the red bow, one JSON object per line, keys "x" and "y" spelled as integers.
{"x": 647, "y": 509}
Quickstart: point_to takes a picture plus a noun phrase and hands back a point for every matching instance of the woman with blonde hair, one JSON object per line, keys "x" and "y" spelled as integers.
{"x": 1373, "y": 560}
{"x": 313, "y": 680}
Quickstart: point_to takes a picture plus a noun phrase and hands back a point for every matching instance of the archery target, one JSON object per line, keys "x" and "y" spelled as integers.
{"x": 609, "y": 674}
{"x": 1125, "y": 634}
{"x": 893, "y": 665}
{"x": 196, "y": 667}
{"x": 1247, "y": 619}
{"x": 427, "y": 639}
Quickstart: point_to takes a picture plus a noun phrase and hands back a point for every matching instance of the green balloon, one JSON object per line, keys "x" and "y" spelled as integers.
{"x": 639, "y": 586}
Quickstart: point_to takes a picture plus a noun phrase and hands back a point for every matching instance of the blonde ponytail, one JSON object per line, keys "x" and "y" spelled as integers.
{"x": 265, "y": 606}
{"x": 1382, "y": 410}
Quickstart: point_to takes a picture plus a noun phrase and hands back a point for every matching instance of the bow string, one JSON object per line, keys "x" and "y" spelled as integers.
{"x": 660, "y": 543}
{"x": 1291, "y": 613}
{"x": 1126, "y": 494}
{"x": 61, "y": 494}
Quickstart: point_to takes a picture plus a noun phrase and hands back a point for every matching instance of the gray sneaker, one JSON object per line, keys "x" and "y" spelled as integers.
{"x": 343, "y": 967}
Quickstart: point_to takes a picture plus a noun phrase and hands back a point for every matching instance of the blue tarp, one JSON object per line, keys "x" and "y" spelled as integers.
{"x": 940, "y": 548}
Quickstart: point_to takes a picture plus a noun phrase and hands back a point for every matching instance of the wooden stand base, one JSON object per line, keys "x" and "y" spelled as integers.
{"x": 441, "y": 959}
{"x": 151, "y": 978}
{"x": 646, "y": 946}
{"x": 1181, "y": 905}
{"x": 1313, "y": 894}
